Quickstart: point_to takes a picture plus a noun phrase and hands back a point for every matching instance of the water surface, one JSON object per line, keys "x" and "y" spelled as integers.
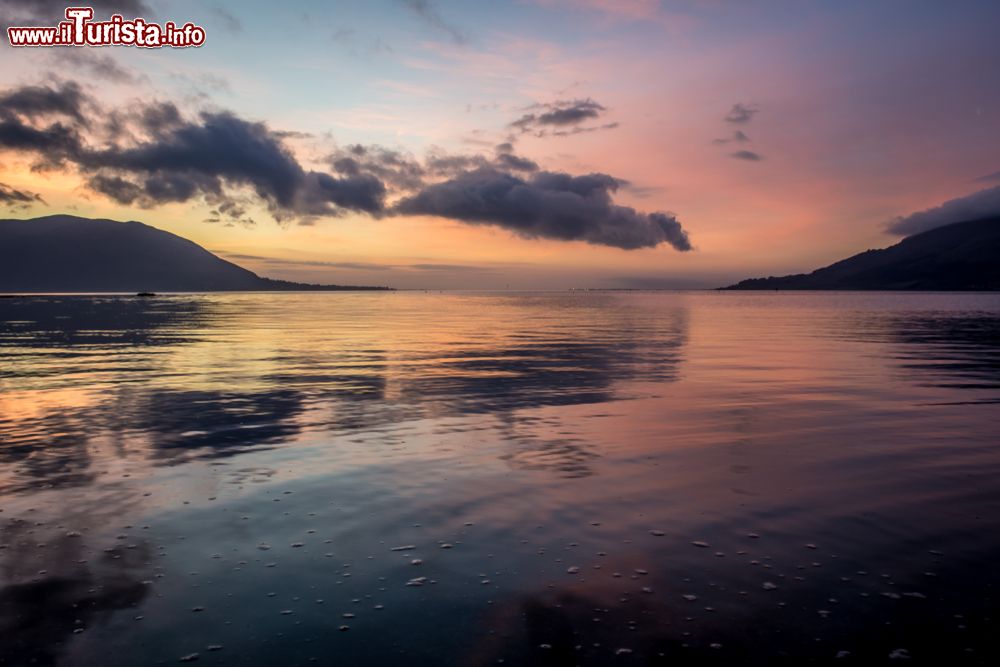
{"x": 470, "y": 479}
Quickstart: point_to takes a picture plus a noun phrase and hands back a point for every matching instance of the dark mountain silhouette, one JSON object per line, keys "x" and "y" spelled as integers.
{"x": 960, "y": 256}
{"x": 64, "y": 253}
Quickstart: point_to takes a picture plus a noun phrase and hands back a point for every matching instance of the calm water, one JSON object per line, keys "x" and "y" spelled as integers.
{"x": 463, "y": 479}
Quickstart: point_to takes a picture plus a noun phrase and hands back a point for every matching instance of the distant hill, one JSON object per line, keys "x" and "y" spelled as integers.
{"x": 961, "y": 256}
{"x": 64, "y": 253}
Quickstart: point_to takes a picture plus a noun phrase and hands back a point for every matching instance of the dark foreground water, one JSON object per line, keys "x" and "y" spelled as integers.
{"x": 528, "y": 479}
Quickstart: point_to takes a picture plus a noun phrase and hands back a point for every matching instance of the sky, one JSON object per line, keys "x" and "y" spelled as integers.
{"x": 534, "y": 144}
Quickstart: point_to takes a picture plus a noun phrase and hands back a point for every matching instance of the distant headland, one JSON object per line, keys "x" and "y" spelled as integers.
{"x": 65, "y": 253}
{"x": 963, "y": 256}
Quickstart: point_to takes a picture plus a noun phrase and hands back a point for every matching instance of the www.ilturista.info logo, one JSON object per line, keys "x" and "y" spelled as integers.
{"x": 79, "y": 30}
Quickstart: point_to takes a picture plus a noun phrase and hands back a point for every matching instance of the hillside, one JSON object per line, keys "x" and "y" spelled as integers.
{"x": 960, "y": 256}
{"x": 63, "y": 253}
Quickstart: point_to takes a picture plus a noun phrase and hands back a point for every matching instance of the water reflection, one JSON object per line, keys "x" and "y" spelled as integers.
{"x": 960, "y": 352}
{"x": 947, "y": 349}
{"x": 74, "y": 323}
{"x": 567, "y": 457}
{"x": 211, "y": 423}
{"x": 134, "y": 408}
{"x": 558, "y": 370}
{"x": 458, "y": 479}
{"x": 57, "y": 585}
{"x": 50, "y": 450}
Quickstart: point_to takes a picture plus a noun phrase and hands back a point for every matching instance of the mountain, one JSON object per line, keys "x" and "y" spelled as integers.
{"x": 64, "y": 253}
{"x": 960, "y": 256}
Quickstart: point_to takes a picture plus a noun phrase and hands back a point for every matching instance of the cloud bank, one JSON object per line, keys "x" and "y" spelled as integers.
{"x": 981, "y": 204}
{"x": 547, "y": 205}
{"x": 747, "y": 155}
{"x": 156, "y": 154}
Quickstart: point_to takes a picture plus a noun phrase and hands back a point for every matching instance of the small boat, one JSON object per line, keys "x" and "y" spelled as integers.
{"x": 146, "y": 294}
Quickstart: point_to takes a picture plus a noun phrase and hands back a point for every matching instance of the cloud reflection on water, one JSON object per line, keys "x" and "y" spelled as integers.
{"x": 505, "y": 427}
{"x": 142, "y": 410}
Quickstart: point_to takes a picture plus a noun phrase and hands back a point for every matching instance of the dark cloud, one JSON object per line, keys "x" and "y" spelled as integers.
{"x": 356, "y": 193}
{"x": 116, "y": 188}
{"x": 404, "y": 173}
{"x": 571, "y": 113}
{"x": 154, "y": 154}
{"x": 511, "y": 161}
{"x": 444, "y": 164}
{"x": 747, "y": 155}
{"x": 737, "y": 137}
{"x": 561, "y": 114}
{"x": 14, "y": 198}
{"x": 160, "y": 156}
{"x": 236, "y": 214}
{"x": 548, "y": 205}
{"x": 199, "y": 155}
{"x": 231, "y": 213}
{"x": 56, "y": 140}
{"x": 741, "y": 113}
{"x": 981, "y": 204}
{"x": 396, "y": 168}
{"x": 428, "y": 13}
{"x": 506, "y": 159}
{"x": 43, "y": 120}
{"x": 65, "y": 99}
{"x": 160, "y": 116}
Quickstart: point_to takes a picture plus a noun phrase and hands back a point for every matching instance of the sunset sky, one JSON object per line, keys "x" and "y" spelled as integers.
{"x": 532, "y": 144}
